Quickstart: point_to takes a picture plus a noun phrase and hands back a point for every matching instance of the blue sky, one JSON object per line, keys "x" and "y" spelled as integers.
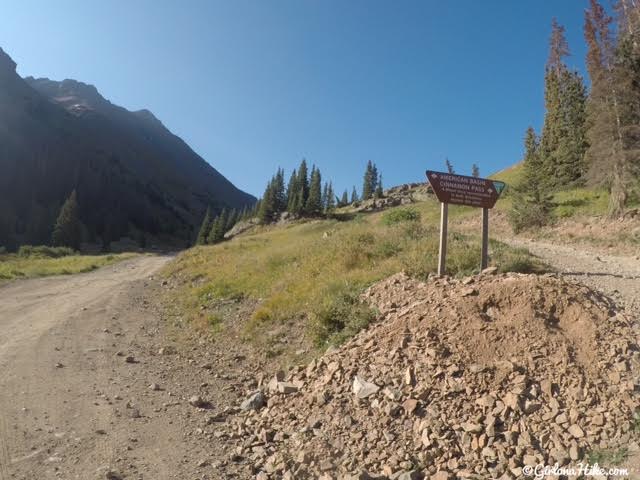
{"x": 256, "y": 84}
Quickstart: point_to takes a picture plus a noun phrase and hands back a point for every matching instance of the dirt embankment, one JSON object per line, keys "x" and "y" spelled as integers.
{"x": 472, "y": 379}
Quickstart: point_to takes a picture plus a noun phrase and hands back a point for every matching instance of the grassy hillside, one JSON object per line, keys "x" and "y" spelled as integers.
{"x": 42, "y": 262}
{"x": 315, "y": 271}
{"x": 571, "y": 202}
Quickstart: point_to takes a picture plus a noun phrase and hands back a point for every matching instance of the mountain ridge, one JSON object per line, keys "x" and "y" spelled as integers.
{"x": 133, "y": 175}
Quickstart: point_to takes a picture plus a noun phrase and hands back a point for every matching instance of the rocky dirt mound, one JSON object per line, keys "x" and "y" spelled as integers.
{"x": 469, "y": 378}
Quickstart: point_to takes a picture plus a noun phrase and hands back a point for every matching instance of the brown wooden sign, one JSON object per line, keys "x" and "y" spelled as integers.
{"x": 469, "y": 191}
{"x": 463, "y": 190}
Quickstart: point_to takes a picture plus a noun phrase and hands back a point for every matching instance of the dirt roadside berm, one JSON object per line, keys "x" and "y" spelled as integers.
{"x": 472, "y": 378}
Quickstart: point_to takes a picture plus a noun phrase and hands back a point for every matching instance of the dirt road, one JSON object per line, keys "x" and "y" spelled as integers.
{"x": 71, "y": 405}
{"x": 617, "y": 276}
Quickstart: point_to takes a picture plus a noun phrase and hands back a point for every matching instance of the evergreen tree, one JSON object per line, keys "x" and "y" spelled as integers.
{"x": 354, "y": 195}
{"x": 279, "y": 195}
{"x": 563, "y": 143}
{"x": 475, "y": 171}
{"x": 368, "y": 181}
{"x": 379, "y": 192}
{"x": 220, "y": 226}
{"x": 292, "y": 188}
{"x": 449, "y": 166}
{"x": 628, "y": 81}
{"x": 303, "y": 183}
{"x": 314, "y": 201}
{"x": 205, "y": 227}
{"x": 532, "y": 205}
{"x": 244, "y": 215}
{"x": 232, "y": 220}
{"x": 325, "y": 193}
{"x": 374, "y": 179}
{"x": 613, "y": 65}
{"x": 268, "y": 203}
{"x": 256, "y": 209}
{"x": 298, "y": 202}
{"x": 67, "y": 231}
{"x": 211, "y": 236}
{"x": 330, "y": 205}
{"x": 344, "y": 201}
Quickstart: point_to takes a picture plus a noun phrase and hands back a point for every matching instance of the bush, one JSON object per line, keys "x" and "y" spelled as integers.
{"x": 401, "y": 215}
{"x": 518, "y": 260}
{"x": 43, "y": 251}
{"x": 526, "y": 214}
{"x": 340, "y": 315}
{"x": 3, "y": 250}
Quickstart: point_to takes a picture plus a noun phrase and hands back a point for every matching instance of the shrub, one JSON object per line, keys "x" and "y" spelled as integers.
{"x": 340, "y": 315}
{"x": 3, "y": 250}
{"x": 215, "y": 322}
{"x": 526, "y": 214}
{"x": 518, "y": 264}
{"x": 401, "y": 215}
{"x": 44, "y": 251}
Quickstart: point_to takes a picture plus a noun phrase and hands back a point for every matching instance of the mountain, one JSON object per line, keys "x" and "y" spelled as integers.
{"x": 133, "y": 177}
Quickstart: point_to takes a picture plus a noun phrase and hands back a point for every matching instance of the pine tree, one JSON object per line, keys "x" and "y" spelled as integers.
{"x": 244, "y": 214}
{"x": 292, "y": 188}
{"x": 211, "y": 236}
{"x": 314, "y": 201}
{"x": 268, "y": 203}
{"x": 475, "y": 171}
{"x": 627, "y": 80}
{"x": 532, "y": 205}
{"x": 205, "y": 227}
{"x": 344, "y": 201}
{"x": 563, "y": 143}
{"x": 325, "y": 199}
{"x": 449, "y": 166}
{"x": 220, "y": 227}
{"x": 298, "y": 202}
{"x": 330, "y": 205}
{"x": 67, "y": 231}
{"x": 354, "y": 195}
{"x": 379, "y": 192}
{"x": 303, "y": 183}
{"x": 369, "y": 181}
{"x": 613, "y": 64}
{"x": 255, "y": 211}
{"x": 279, "y": 194}
{"x": 374, "y": 179}
{"x": 232, "y": 220}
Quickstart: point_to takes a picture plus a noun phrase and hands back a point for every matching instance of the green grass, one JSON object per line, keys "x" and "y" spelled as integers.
{"x": 511, "y": 176}
{"x": 580, "y": 201}
{"x": 315, "y": 271}
{"x": 568, "y": 203}
{"x": 22, "y": 265}
{"x": 608, "y": 457}
{"x": 399, "y": 215}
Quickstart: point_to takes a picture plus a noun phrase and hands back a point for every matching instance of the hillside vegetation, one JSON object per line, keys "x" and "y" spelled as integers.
{"x": 566, "y": 203}
{"x": 44, "y": 261}
{"x": 317, "y": 270}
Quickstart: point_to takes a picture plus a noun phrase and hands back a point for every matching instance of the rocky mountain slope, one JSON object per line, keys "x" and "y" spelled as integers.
{"x": 130, "y": 172}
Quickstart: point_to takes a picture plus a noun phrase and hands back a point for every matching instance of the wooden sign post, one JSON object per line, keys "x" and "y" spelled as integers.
{"x": 469, "y": 191}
